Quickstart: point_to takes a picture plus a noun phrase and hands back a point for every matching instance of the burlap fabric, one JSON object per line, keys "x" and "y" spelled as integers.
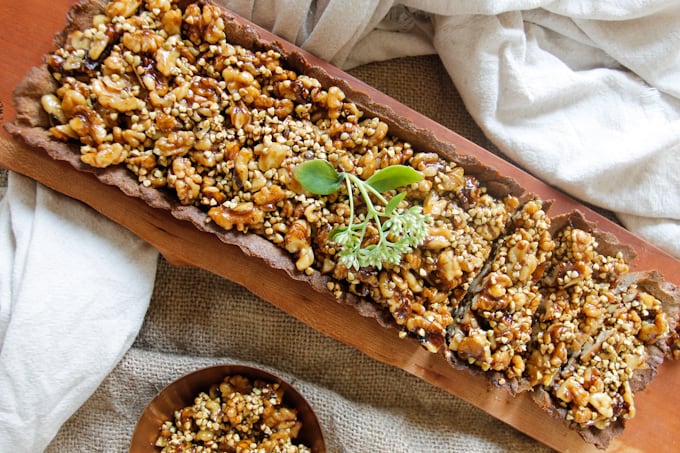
{"x": 197, "y": 319}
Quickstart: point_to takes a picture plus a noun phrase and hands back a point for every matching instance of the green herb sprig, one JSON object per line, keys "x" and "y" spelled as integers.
{"x": 399, "y": 231}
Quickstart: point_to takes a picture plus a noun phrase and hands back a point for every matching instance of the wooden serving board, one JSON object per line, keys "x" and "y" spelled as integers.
{"x": 26, "y": 31}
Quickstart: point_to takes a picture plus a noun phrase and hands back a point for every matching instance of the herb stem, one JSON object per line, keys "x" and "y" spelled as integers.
{"x": 350, "y": 194}
{"x": 363, "y": 187}
{"x": 371, "y": 212}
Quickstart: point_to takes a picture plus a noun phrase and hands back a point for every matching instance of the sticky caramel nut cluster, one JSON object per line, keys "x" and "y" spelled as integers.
{"x": 591, "y": 331}
{"x": 235, "y": 415}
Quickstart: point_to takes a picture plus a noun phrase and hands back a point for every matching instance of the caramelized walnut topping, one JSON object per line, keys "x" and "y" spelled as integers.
{"x": 498, "y": 318}
{"x": 157, "y": 86}
{"x": 590, "y": 332}
{"x": 237, "y": 414}
{"x": 223, "y": 127}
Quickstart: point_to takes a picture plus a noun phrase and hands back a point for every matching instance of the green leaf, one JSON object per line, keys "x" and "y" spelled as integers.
{"x": 340, "y": 234}
{"x": 394, "y": 176}
{"x": 318, "y": 177}
{"x": 393, "y": 203}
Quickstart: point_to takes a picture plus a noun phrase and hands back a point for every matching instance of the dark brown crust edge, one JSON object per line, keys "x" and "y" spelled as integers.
{"x": 31, "y": 122}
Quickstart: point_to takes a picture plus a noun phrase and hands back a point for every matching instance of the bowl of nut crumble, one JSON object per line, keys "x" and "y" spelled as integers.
{"x": 232, "y": 408}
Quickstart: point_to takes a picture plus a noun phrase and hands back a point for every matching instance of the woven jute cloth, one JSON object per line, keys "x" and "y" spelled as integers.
{"x": 197, "y": 319}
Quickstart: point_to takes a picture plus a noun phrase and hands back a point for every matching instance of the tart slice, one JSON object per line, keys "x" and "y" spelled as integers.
{"x": 492, "y": 329}
{"x": 599, "y": 333}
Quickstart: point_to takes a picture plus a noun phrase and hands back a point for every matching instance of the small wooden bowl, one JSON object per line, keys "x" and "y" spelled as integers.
{"x": 184, "y": 390}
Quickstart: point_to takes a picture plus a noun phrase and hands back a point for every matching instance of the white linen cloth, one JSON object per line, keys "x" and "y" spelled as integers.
{"x": 74, "y": 288}
{"x": 584, "y": 94}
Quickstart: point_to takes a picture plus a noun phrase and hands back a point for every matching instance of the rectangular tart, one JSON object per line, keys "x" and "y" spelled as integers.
{"x": 179, "y": 104}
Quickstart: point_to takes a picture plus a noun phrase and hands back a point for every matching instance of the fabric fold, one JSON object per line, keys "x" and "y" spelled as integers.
{"x": 75, "y": 288}
{"x": 595, "y": 130}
